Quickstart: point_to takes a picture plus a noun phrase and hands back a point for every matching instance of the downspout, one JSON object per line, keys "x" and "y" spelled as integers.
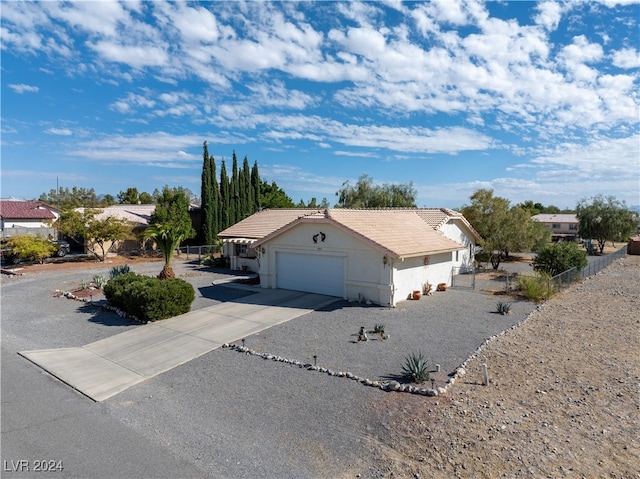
{"x": 393, "y": 285}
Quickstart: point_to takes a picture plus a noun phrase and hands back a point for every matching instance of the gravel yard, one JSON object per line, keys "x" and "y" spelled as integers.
{"x": 558, "y": 381}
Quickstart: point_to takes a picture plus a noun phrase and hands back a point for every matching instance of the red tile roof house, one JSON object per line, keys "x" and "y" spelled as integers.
{"x": 377, "y": 255}
{"x": 26, "y": 217}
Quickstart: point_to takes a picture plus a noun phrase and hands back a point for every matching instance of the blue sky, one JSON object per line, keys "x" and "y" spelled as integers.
{"x": 534, "y": 100}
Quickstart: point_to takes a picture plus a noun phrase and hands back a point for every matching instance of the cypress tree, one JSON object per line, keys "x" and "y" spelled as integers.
{"x": 234, "y": 200}
{"x": 255, "y": 186}
{"x": 207, "y": 201}
{"x": 224, "y": 197}
{"x": 215, "y": 202}
{"x": 249, "y": 199}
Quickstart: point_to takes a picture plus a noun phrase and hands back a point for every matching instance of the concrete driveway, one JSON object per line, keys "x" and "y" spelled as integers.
{"x": 107, "y": 367}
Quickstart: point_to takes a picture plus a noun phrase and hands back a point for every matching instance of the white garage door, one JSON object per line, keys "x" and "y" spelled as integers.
{"x": 320, "y": 274}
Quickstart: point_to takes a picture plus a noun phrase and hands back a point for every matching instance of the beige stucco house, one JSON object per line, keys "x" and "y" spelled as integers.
{"x": 562, "y": 226}
{"x": 377, "y": 255}
{"x": 137, "y": 216}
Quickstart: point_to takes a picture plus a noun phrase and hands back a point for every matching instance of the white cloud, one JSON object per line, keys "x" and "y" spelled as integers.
{"x": 131, "y": 102}
{"x": 549, "y": 15}
{"x": 21, "y": 88}
{"x": 59, "y": 131}
{"x": 136, "y": 56}
{"x": 601, "y": 158}
{"x": 360, "y": 154}
{"x": 627, "y": 58}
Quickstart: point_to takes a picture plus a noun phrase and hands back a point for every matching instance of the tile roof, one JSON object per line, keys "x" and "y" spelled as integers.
{"x": 264, "y": 222}
{"x": 12, "y": 209}
{"x": 137, "y": 214}
{"x": 437, "y": 217}
{"x": 401, "y": 232}
{"x": 397, "y": 232}
{"x": 555, "y": 218}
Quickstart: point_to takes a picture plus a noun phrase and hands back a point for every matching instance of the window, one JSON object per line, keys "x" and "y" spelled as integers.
{"x": 457, "y": 258}
{"x": 573, "y": 227}
{"x": 555, "y": 226}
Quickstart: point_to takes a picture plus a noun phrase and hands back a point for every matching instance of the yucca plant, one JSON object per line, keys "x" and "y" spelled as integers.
{"x": 416, "y": 368}
{"x": 379, "y": 329}
{"x": 503, "y": 308}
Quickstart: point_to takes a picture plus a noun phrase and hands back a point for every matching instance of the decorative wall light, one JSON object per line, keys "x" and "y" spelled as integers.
{"x": 426, "y": 261}
{"x": 385, "y": 260}
{"x": 321, "y": 235}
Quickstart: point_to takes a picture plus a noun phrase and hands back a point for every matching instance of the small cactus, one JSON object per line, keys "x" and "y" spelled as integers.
{"x": 379, "y": 329}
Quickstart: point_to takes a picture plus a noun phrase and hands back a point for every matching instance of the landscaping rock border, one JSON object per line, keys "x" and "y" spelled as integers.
{"x": 382, "y": 385}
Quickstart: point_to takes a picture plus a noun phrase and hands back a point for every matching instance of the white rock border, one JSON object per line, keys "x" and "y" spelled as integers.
{"x": 389, "y": 385}
{"x": 104, "y": 305}
{"x": 382, "y": 385}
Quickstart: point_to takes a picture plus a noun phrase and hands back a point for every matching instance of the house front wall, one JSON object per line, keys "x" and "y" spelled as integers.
{"x": 463, "y": 258}
{"x": 365, "y": 274}
{"x": 411, "y": 274}
{"x": 241, "y": 258}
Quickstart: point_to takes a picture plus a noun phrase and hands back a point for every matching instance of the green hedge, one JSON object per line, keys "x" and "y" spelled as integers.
{"x": 149, "y": 298}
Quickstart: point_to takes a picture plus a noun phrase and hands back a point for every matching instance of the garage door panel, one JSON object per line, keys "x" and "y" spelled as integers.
{"x": 322, "y": 274}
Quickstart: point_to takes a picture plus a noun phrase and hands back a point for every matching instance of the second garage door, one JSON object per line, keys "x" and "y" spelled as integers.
{"x": 322, "y": 274}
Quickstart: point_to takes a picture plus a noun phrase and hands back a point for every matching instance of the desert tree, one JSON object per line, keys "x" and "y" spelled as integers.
{"x": 605, "y": 219}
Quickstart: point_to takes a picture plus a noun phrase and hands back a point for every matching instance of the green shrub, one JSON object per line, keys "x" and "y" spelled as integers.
{"x": 118, "y": 270}
{"x": 535, "y": 288}
{"x": 31, "y": 247}
{"x": 114, "y": 290}
{"x": 149, "y": 298}
{"x": 416, "y": 368}
{"x": 559, "y": 257}
{"x": 378, "y": 328}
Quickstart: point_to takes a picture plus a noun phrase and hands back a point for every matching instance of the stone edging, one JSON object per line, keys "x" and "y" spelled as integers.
{"x": 106, "y": 306}
{"x": 388, "y": 385}
{"x": 383, "y": 385}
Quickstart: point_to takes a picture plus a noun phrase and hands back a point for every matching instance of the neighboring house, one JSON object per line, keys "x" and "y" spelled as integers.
{"x": 563, "y": 227}
{"x": 26, "y": 217}
{"x": 378, "y": 255}
{"x": 136, "y": 215}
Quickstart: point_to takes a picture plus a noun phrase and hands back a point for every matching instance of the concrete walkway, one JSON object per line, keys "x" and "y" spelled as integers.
{"x": 104, "y": 368}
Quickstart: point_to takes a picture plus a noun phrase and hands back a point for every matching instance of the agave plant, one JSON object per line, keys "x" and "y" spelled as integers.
{"x": 99, "y": 281}
{"x": 118, "y": 270}
{"x": 378, "y": 329}
{"x": 503, "y": 308}
{"x": 416, "y": 368}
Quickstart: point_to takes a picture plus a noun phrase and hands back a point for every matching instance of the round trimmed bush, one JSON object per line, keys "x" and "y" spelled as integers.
{"x": 149, "y": 298}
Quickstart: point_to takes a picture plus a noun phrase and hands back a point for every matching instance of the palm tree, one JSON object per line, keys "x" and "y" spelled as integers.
{"x": 169, "y": 225}
{"x": 168, "y": 238}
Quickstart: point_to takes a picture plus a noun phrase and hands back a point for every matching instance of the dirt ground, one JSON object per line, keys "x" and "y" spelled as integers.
{"x": 562, "y": 401}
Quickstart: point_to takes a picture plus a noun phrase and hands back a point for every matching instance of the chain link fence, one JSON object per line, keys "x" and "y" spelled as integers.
{"x": 463, "y": 277}
{"x": 199, "y": 251}
{"x": 567, "y": 278}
